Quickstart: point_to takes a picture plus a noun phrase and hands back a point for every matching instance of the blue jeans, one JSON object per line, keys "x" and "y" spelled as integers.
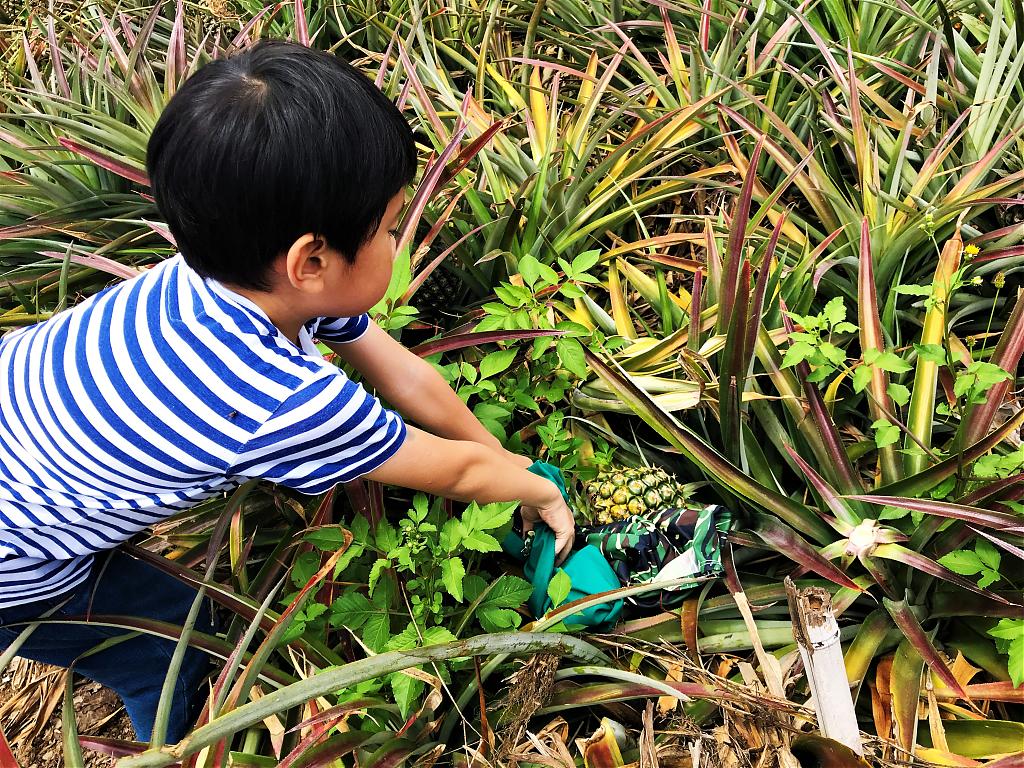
{"x": 134, "y": 669}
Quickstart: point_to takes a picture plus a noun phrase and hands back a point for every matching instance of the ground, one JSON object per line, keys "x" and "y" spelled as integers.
{"x": 30, "y": 714}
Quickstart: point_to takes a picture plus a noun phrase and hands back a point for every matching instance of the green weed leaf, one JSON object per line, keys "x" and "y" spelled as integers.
{"x": 559, "y": 587}
{"x": 452, "y": 574}
{"x": 496, "y": 362}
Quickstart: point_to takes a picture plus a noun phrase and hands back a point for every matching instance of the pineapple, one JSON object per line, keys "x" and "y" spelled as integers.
{"x": 439, "y": 296}
{"x": 619, "y": 492}
{"x": 11, "y": 10}
{"x": 219, "y": 16}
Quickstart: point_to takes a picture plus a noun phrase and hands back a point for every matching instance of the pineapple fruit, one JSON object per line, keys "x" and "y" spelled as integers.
{"x": 219, "y": 17}
{"x": 11, "y": 10}
{"x": 619, "y": 492}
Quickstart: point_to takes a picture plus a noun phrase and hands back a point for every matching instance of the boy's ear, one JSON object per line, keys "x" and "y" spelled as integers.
{"x": 306, "y": 261}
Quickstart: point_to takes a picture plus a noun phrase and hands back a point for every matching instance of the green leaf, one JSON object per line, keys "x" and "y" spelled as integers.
{"x": 899, "y": 394}
{"x": 987, "y": 374}
{"x": 548, "y": 275}
{"x": 962, "y": 385}
{"x": 377, "y": 631}
{"x": 343, "y": 562}
{"x": 529, "y": 268}
{"x": 497, "y": 619}
{"x": 845, "y": 328}
{"x": 352, "y": 610}
{"x": 489, "y": 516}
{"x": 491, "y": 411}
{"x": 305, "y": 567}
{"x": 914, "y": 290}
{"x": 962, "y": 561}
{"x": 360, "y": 528}
{"x": 832, "y": 353}
{"x": 559, "y": 587}
{"x": 473, "y": 586}
{"x": 585, "y": 261}
{"x": 407, "y": 691}
{"x": 988, "y": 553}
{"x": 891, "y": 362}
{"x": 496, "y": 362}
{"x": 375, "y": 573}
{"x": 570, "y": 352}
{"x": 886, "y": 433}
{"x": 1009, "y": 634}
{"x": 933, "y": 353}
{"x": 496, "y": 309}
{"x": 571, "y": 291}
{"x": 387, "y": 537}
{"x": 797, "y": 353}
{"x": 478, "y": 541}
{"x": 451, "y": 535}
{"x": 468, "y": 372}
{"x": 835, "y": 311}
{"x": 452, "y": 573}
{"x": 861, "y": 377}
{"x": 509, "y": 592}
{"x": 327, "y": 539}
{"x": 420, "y": 508}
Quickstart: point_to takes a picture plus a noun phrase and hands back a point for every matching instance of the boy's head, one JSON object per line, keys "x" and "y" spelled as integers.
{"x": 278, "y": 148}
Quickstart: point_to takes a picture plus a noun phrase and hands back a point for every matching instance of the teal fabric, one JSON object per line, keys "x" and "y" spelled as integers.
{"x": 588, "y": 570}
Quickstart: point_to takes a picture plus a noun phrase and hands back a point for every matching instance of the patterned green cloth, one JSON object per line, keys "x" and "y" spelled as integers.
{"x": 666, "y": 545}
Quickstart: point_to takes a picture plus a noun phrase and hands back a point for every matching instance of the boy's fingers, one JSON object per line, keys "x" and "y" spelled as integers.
{"x": 563, "y": 545}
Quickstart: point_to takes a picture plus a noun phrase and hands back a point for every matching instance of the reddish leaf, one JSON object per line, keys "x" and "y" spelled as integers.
{"x": 301, "y": 25}
{"x": 827, "y": 493}
{"x": 6, "y": 755}
{"x": 113, "y": 747}
{"x": 101, "y": 263}
{"x": 727, "y": 290}
{"x": 1007, "y": 355}
{"x": 119, "y": 167}
{"x": 912, "y": 630}
{"x": 789, "y": 543}
{"x": 906, "y": 556}
{"x": 464, "y": 340}
{"x": 983, "y": 517}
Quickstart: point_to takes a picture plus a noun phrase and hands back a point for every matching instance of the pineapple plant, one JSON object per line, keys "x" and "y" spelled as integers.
{"x": 619, "y": 492}
{"x": 11, "y": 10}
{"x": 439, "y": 296}
{"x": 219, "y": 17}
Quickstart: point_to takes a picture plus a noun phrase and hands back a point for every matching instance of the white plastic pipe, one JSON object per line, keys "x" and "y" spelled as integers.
{"x": 817, "y": 636}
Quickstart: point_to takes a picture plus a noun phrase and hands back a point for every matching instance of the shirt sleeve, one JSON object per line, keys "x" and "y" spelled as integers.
{"x": 339, "y": 330}
{"x": 328, "y": 431}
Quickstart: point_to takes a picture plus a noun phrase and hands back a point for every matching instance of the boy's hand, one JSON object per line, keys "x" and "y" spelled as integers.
{"x": 559, "y": 519}
{"x": 468, "y": 471}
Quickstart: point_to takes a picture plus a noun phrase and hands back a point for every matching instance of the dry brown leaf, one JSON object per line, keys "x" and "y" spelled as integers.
{"x": 648, "y": 748}
{"x": 673, "y": 674}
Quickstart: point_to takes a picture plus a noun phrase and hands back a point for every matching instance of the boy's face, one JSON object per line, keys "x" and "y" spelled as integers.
{"x": 361, "y": 284}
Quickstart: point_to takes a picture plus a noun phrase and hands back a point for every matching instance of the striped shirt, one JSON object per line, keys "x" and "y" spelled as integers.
{"x": 155, "y": 394}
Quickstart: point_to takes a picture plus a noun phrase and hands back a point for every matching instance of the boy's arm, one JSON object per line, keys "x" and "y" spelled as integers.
{"x": 467, "y": 471}
{"x": 417, "y": 391}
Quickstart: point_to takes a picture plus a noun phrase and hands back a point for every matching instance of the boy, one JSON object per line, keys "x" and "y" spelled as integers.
{"x": 280, "y": 173}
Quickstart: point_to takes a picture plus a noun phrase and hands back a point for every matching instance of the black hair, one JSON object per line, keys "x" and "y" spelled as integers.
{"x": 260, "y": 148}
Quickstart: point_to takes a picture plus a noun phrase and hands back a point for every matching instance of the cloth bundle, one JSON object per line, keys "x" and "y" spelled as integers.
{"x": 660, "y": 547}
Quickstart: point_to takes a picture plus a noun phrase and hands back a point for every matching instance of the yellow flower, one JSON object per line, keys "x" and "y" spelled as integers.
{"x": 971, "y": 250}
{"x": 999, "y": 280}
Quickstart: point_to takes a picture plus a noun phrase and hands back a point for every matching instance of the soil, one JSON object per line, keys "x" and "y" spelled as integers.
{"x": 30, "y": 715}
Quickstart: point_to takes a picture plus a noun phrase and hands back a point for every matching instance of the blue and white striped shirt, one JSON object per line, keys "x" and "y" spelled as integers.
{"x": 155, "y": 394}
